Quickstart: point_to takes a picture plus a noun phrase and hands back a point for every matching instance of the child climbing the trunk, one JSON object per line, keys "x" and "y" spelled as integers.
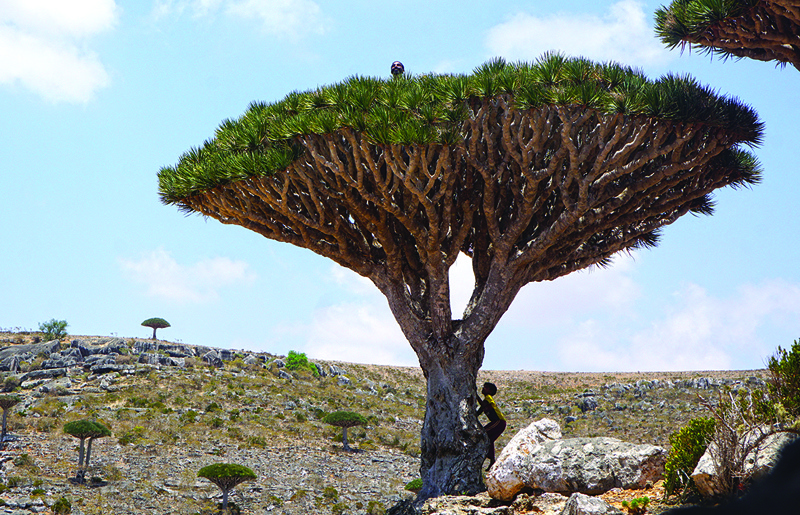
{"x": 497, "y": 422}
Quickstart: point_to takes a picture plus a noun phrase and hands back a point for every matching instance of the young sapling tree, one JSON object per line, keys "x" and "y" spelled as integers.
{"x": 344, "y": 419}
{"x": 226, "y": 476}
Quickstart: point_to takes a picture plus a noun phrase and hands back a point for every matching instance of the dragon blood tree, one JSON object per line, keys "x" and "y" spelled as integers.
{"x": 766, "y": 30}
{"x": 532, "y": 170}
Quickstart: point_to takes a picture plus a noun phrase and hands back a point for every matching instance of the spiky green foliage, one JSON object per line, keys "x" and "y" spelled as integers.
{"x": 765, "y": 30}
{"x": 86, "y": 428}
{"x": 431, "y": 109}
{"x": 344, "y": 419}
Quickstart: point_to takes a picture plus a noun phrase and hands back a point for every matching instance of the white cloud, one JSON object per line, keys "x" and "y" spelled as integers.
{"x": 623, "y": 34}
{"x": 361, "y": 330}
{"x": 43, "y": 46}
{"x": 166, "y": 278}
{"x": 359, "y": 333}
{"x": 697, "y": 331}
{"x": 284, "y": 18}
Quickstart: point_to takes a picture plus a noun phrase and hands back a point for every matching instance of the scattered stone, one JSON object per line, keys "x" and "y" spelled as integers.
{"x": 212, "y": 358}
{"x": 284, "y": 375}
{"x": 587, "y": 404}
{"x": 580, "y": 504}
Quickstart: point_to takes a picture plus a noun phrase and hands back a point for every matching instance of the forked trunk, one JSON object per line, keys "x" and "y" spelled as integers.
{"x": 453, "y": 443}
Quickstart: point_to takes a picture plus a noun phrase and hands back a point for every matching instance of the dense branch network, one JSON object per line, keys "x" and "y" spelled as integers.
{"x": 529, "y": 195}
{"x": 765, "y": 30}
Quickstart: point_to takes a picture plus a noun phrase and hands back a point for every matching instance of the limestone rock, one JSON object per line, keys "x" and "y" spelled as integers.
{"x": 580, "y": 504}
{"x": 31, "y": 348}
{"x": 585, "y": 465}
{"x": 212, "y": 358}
{"x": 506, "y": 476}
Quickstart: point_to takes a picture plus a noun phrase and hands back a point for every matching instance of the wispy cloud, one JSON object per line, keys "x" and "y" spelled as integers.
{"x": 44, "y": 47}
{"x": 199, "y": 282}
{"x": 623, "y": 34}
{"x": 697, "y": 331}
{"x": 290, "y": 19}
{"x": 360, "y": 330}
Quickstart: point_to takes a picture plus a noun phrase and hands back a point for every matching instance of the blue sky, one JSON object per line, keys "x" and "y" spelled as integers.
{"x": 97, "y": 95}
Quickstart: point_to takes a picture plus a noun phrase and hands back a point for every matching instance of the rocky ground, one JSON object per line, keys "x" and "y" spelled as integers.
{"x": 172, "y": 414}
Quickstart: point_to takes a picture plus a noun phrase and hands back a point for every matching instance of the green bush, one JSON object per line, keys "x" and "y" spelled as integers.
{"x": 687, "y": 447}
{"x": 297, "y": 361}
{"x": 376, "y": 508}
{"x": 53, "y": 329}
{"x": 415, "y": 485}
{"x": 62, "y": 506}
{"x": 784, "y": 383}
{"x": 636, "y": 506}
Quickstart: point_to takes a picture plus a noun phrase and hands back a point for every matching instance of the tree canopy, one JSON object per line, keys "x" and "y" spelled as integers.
{"x": 155, "y": 323}
{"x": 533, "y": 170}
{"x": 765, "y": 30}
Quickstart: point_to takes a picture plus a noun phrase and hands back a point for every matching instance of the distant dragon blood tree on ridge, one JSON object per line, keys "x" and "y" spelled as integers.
{"x": 532, "y": 170}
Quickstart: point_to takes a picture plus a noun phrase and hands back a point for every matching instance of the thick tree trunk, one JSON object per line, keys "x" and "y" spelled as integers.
{"x": 453, "y": 443}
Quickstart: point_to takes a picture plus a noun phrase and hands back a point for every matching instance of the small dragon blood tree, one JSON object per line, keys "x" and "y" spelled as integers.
{"x": 6, "y": 403}
{"x": 85, "y": 430}
{"x": 155, "y": 323}
{"x": 226, "y": 476}
{"x": 344, "y": 419}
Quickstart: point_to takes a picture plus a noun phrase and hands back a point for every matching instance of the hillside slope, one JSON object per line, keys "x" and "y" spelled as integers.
{"x": 172, "y": 418}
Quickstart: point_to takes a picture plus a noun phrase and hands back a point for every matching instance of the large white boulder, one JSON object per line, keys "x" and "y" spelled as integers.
{"x": 507, "y": 477}
{"x": 585, "y": 465}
